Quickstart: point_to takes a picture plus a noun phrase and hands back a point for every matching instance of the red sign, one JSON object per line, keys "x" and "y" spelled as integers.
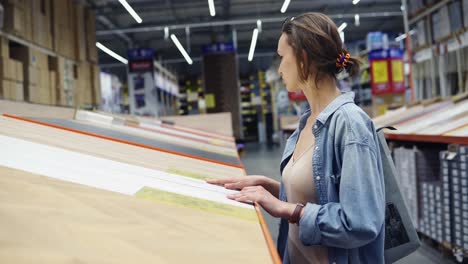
{"x": 297, "y": 96}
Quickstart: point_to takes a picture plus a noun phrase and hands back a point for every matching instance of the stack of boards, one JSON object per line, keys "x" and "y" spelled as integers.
{"x": 97, "y": 188}
{"x": 439, "y": 118}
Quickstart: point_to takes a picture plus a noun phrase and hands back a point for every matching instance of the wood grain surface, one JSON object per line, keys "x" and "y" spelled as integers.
{"x": 116, "y": 151}
{"x": 220, "y": 123}
{"x": 50, "y": 221}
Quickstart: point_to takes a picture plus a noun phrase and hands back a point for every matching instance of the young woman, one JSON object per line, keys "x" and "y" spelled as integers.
{"x": 332, "y": 188}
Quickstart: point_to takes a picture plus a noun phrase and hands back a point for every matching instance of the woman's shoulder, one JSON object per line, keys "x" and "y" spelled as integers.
{"x": 353, "y": 124}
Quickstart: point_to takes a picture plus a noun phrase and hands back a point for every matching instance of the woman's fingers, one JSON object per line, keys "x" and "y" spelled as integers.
{"x": 221, "y": 181}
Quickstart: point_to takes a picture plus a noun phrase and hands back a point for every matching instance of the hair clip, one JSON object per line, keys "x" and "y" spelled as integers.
{"x": 342, "y": 60}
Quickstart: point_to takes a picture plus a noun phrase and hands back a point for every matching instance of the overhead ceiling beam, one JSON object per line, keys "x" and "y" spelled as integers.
{"x": 237, "y": 22}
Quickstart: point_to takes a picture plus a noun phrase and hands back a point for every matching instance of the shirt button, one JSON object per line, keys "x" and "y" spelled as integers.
{"x": 315, "y": 126}
{"x": 316, "y": 148}
{"x": 318, "y": 178}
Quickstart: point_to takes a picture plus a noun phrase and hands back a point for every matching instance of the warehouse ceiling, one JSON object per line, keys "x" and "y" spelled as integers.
{"x": 191, "y": 22}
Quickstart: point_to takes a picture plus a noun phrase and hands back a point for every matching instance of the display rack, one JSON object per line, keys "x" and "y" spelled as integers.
{"x": 439, "y": 47}
{"x": 430, "y": 151}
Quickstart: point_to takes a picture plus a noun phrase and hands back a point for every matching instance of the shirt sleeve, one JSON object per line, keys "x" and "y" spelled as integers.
{"x": 359, "y": 216}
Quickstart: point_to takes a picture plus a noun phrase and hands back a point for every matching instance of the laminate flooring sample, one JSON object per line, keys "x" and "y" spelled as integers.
{"x": 148, "y": 158}
{"x": 46, "y": 220}
{"x": 118, "y": 135}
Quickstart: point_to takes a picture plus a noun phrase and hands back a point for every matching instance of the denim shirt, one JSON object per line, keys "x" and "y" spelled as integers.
{"x": 348, "y": 177}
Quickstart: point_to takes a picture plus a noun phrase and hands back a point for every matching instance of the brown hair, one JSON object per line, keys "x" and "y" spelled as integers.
{"x": 317, "y": 45}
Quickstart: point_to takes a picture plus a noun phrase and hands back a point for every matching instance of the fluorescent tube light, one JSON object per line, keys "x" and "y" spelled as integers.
{"x": 181, "y": 49}
{"x": 131, "y": 11}
{"x": 253, "y": 44}
{"x": 285, "y": 6}
{"x": 259, "y": 25}
{"x": 212, "y": 8}
{"x": 111, "y": 53}
{"x": 357, "y": 22}
{"x": 342, "y": 26}
{"x": 166, "y": 33}
{"x": 403, "y": 36}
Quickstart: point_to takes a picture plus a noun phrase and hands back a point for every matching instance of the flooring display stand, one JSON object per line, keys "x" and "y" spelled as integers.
{"x": 97, "y": 188}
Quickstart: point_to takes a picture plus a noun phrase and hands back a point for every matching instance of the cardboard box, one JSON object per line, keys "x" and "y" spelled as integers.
{"x": 44, "y": 87}
{"x": 90, "y": 19}
{"x": 84, "y": 87}
{"x": 32, "y": 77}
{"x": 5, "y": 89}
{"x": 14, "y": 22}
{"x": 62, "y": 27}
{"x": 96, "y": 84}
{"x": 41, "y": 19}
{"x": 33, "y": 93}
{"x": 19, "y": 71}
{"x": 4, "y": 47}
{"x": 80, "y": 31}
{"x": 17, "y": 91}
{"x": 53, "y": 87}
{"x": 7, "y": 69}
{"x": 28, "y": 19}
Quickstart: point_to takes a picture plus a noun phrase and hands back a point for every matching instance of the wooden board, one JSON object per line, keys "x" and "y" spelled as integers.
{"x": 441, "y": 117}
{"x": 35, "y": 110}
{"x": 50, "y": 221}
{"x": 159, "y": 133}
{"x": 131, "y": 154}
{"x": 220, "y": 123}
{"x": 112, "y": 175}
{"x": 124, "y": 137}
{"x": 152, "y": 122}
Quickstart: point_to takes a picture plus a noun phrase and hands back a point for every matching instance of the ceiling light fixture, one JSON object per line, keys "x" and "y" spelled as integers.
{"x": 403, "y": 36}
{"x": 259, "y": 25}
{"x": 253, "y": 44}
{"x": 285, "y": 6}
{"x": 131, "y": 11}
{"x": 355, "y": 2}
{"x": 111, "y": 53}
{"x": 357, "y": 22}
{"x": 342, "y": 26}
{"x": 181, "y": 49}
{"x": 212, "y": 7}
{"x": 166, "y": 33}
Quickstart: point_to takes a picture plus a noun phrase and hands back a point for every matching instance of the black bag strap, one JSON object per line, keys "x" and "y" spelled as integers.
{"x": 389, "y": 127}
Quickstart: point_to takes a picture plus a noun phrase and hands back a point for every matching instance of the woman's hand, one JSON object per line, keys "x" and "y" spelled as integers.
{"x": 238, "y": 183}
{"x": 265, "y": 199}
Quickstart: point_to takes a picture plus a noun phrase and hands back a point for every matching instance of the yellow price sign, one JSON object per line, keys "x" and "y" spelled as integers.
{"x": 380, "y": 71}
{"x": 397, "y": 71}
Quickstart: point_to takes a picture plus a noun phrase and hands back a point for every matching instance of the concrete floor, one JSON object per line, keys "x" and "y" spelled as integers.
{"x": 262, "y": 160}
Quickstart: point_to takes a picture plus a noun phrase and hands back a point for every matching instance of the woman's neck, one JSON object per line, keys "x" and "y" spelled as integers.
{"x": 320, "y": 96}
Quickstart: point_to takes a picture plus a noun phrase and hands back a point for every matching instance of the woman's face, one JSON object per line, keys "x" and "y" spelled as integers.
{"x": 288, "y": 67}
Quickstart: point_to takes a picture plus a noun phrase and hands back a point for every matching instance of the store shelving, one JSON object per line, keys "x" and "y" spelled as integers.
{"x": 439, "y": 48}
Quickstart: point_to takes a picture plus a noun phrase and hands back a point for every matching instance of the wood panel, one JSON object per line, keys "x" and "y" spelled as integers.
{"x": 50, "y": 221}
{"x": 220, "y": 123}
{"x": 137, "y": 140}
{"x": 116, "y": 151}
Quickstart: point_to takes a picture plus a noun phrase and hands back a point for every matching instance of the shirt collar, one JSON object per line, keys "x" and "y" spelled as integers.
{"x": 344, "y": 98}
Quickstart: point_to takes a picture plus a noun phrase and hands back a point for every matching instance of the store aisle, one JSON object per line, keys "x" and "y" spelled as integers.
{"x": 262, "y": 160}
